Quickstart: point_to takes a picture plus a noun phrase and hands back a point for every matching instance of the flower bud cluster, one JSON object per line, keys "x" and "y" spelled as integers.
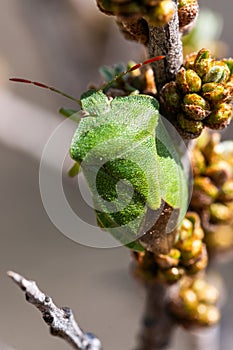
{"x": 187, "y": 257}
{"x": 201, "y": 95}
{"x": 155, "y": 12}
{"x": 195, "y": 303}
{"x": 212, "y": 196}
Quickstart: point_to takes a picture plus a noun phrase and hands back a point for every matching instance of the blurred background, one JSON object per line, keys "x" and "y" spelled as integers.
{"x": 63, "y": 43}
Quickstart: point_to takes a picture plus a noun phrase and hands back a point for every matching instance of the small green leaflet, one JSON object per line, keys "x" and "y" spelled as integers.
{"x": 129, "y": 161}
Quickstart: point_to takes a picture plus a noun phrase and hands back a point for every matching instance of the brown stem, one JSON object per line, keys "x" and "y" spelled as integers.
{"x": 157, "y": 324}
{"x": 166, "y": 41}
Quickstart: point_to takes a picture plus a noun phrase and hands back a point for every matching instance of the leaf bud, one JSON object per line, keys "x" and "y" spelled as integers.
{"x": 168, "y": 260}
{"x": 204, "y": 192}
{"x": 207, "y": 315}
{"x": 188, "y": 81}
{"x": 196, "y": 222}
{"x": 189, "y": 299}
{"x": 219, "y": 172}
{"x": 229, "y": 88}
{"x": 190, "y": 249}
{"x": 187, "y": 12}
{"x": 185, "y": 230}
{"x": 226, "y": 193}
{"x": 220, "y": 117}
{"x": 214, "y": 92}
{"x": 161, "y": 13}
{"x": 199, "y": 264}
{"x": 120, "y": 7}
{"x": 203, "y": 62}
{"x": 198, "y": 162}
{"x": 217, "y": 72}
{"x": 220, "y": 213}
{"x": 171, "y": 275}
{"x": 205, "y": 292}
{"x": 229, "y": 62}
{"x": 170, "y": 97}
{"x": 192, "y": 127}
{"x": 224, "y": 151}
{"x": 190, "y": 61}
{"x": 195, "y": 107}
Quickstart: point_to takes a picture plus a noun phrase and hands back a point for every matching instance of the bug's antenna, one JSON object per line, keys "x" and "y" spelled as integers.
{"x": 51, "y": 88}
{"x": 131, "y": 69}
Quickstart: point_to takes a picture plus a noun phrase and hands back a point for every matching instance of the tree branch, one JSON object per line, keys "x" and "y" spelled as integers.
{"x": 157, "y": 325}
{"x": 60, "y": 320}
{"x": 166, "y": 40}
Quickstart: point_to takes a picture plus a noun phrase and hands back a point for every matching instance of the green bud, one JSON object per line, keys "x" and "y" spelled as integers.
{"x": 192, "y": 127}
{"x": 220, "y": 213}
{"x": 120, "y": 8}
{"x": 205, "y": 292}
{"x": 207, "y": 315}
{"x": 196, "y": 222}
{"x": 185, "y": 230}
{"x": 217, "y": 72}
{"x": 203, "y": 62}
{"x": 204, "y": 192}
{"x": 229, "y": 88}
{"x": 229, "y": 62}
{"x": 161, "y": 13}
{"x": 203, "y": 67}
{"x": 188, "y": 81}
{"x": 195, "y": 106}
{"x": 223, "y": 151}
{"x": 226, "y": 193}
{"x": 170, "y": 97}
{"x": 214, "y": 92}
{"x": 202, "y": 54}
{"x": 169, "y": 260}
{"x": 197, "y": 264}
{"x": 174, "y": 253}
{"x": 190, "y": 249}
{"x": 220, "y": 117}
{"x": 190, "y": 61}
{"x": 171, "y": 275}
{"x": 203, "y": 141}
{"x": 219, "y": 172}
{"x": 198, "y": 162}
{"x": 189, "y": 299}
{"x": 206, "y": 185}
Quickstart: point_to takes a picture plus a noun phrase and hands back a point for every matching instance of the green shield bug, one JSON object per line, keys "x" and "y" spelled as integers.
{"x": 131, "y": 165}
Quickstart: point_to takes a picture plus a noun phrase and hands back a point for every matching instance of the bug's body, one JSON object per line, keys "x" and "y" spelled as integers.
{"x": 129, "y": 161}
{"x": 125, "y": 139}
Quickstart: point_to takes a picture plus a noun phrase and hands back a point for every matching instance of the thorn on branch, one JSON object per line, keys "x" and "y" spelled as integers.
{"x": 60, "y": 320}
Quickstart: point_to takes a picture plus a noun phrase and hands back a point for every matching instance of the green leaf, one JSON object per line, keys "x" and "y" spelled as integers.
{"x": 109, "y": 73}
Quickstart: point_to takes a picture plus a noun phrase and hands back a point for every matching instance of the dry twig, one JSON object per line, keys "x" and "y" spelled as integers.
{"x": 60, "y": 320}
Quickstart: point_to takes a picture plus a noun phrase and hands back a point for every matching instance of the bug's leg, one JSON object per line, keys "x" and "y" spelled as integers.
{"x": 131, "y": 69}
{"x": 74, "y": 170}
